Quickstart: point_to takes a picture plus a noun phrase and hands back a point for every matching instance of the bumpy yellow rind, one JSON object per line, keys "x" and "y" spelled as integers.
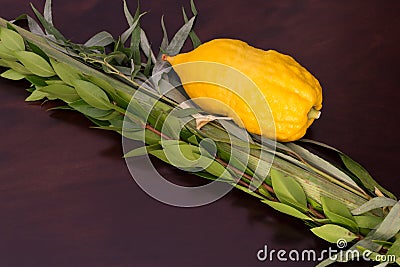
{"x": 293, "y": 94}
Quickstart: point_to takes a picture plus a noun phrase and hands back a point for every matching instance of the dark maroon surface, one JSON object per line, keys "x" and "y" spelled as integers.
{"x": 67, "y": 198}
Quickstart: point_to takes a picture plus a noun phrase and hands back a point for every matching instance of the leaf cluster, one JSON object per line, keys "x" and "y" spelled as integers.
{"x": 336, "y": 202}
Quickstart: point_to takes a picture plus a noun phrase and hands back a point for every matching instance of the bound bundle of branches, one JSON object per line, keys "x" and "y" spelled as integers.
{"x": 122, "y": 86}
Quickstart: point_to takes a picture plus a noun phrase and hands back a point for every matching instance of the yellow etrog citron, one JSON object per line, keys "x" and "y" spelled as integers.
{"x": 293, "y": 94}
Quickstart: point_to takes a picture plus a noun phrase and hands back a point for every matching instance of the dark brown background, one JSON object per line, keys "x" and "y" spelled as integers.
{"x": 66, "y": 196}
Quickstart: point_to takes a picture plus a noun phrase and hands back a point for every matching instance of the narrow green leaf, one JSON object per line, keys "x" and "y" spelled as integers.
{"x": 50, "y": 29}
{"x": 47, "y": 12}
{"x": 64, "y": 92}
{"x": 150, "y": 138}
{"x": 180, "y": 37}
{"x": 102, "y": 84}
{"x": 34, "y": 27}
{"x": 116, "y": 56}
{"x": 315, "y": 204}
{"x": 36, "y": 80}
{"x": 66, "y": 73}
{"x": 158, "y": 72}
{"x": 215, "y": 168}
{"x": 137, "y": 12}
{"x": 6, "y": 54}
{"x": 35, "y": 63}
{"x": 160, "y": 155}
{"x": 121, "y": 98}
{"x": 137, "y": 109}
{"x": 126, "y": 34}
{"x": 184, "y": 153}
{"x": 338, "y": 213}
{"x": 164, "y": 87}
{"x": 332, "y": 233}
{"x": 319, "y": 144}
{"x": 206, "y": 175}
{"x": 358, "y": 170}
{"x": 141, "y": 151}
{"x": 289, "y": 210}
{"x": 55, "y": 81}
{"x": 88, "y": 110}
{"x": 135, "y": 56}
{"x": 147, "y": 68}
{"x": 185, "y": 112}
{"x": 187, "y": 157}
{"x": 99, "y": 122}
{"x": 110, "y": 116}
{"x": 3, "y": 63}
{"x": 36, "y": 95}
{"x": 18, "y": 67}
{"x": 238, "y": 160}
{"x": 395, "y": 250}
{"x": 363, "y": 175}
{"x": 172, "y": 127}
{"x": 247, "y": 191}
{"x": 375, "y": 203}
{"x": 367, "y": 221}
{"x": 193, "y": 37}
{"x": 135, "y": 45}
{"x": 12, "y": 40}
{"x": 193, "y": 7}
{"x": 92, "y": 94}
{"x": 165, "y": 41}
{"x": 124, "y": 70}
{"x": 322, "y": 164}
{"x": 145, "y": 45}
{"x": 17, "y": 19}
{"x": 390, "y": 226}
{"x": 102, "y": 38}
{"x": 109, "y": 128}
{"x": 288, "y": 190}
{"x": 12, "y": 75}
{"x": 193, "y": 140}
{"x": 60, "y": 108}
{"x": 128, "y": 15}
{"x": 35, "y": 49}
{"x": 233, "y": 129}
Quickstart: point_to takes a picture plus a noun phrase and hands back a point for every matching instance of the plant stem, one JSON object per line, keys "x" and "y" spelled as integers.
{"x": 315, "y": 212}
{"x": 149, "y": 127}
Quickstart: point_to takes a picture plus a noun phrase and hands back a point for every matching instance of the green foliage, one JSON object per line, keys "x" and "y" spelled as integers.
{"x": 35, "y": 63}
{"x": 361, "y": 175}
{"x": 65, "y": 72}
{"x": 12, "y": 75}
{"x": 18, "y": 67}
{"x": 287, "y": 209}
{"x": 36, "y": 95}
{"x": 11, "y": 40}
{"x": 360, "y": 172}
{"x": 375, "y": 203}
{"x": 102, "y": 90}
{"x": 89, "y": 110}
{"x": 92, "y": 94}
{"x": 61, "y": 91}
{"x": 288, "y": 190}
{"x": 332, "y": 233}
{"x": 338, "y": 213}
